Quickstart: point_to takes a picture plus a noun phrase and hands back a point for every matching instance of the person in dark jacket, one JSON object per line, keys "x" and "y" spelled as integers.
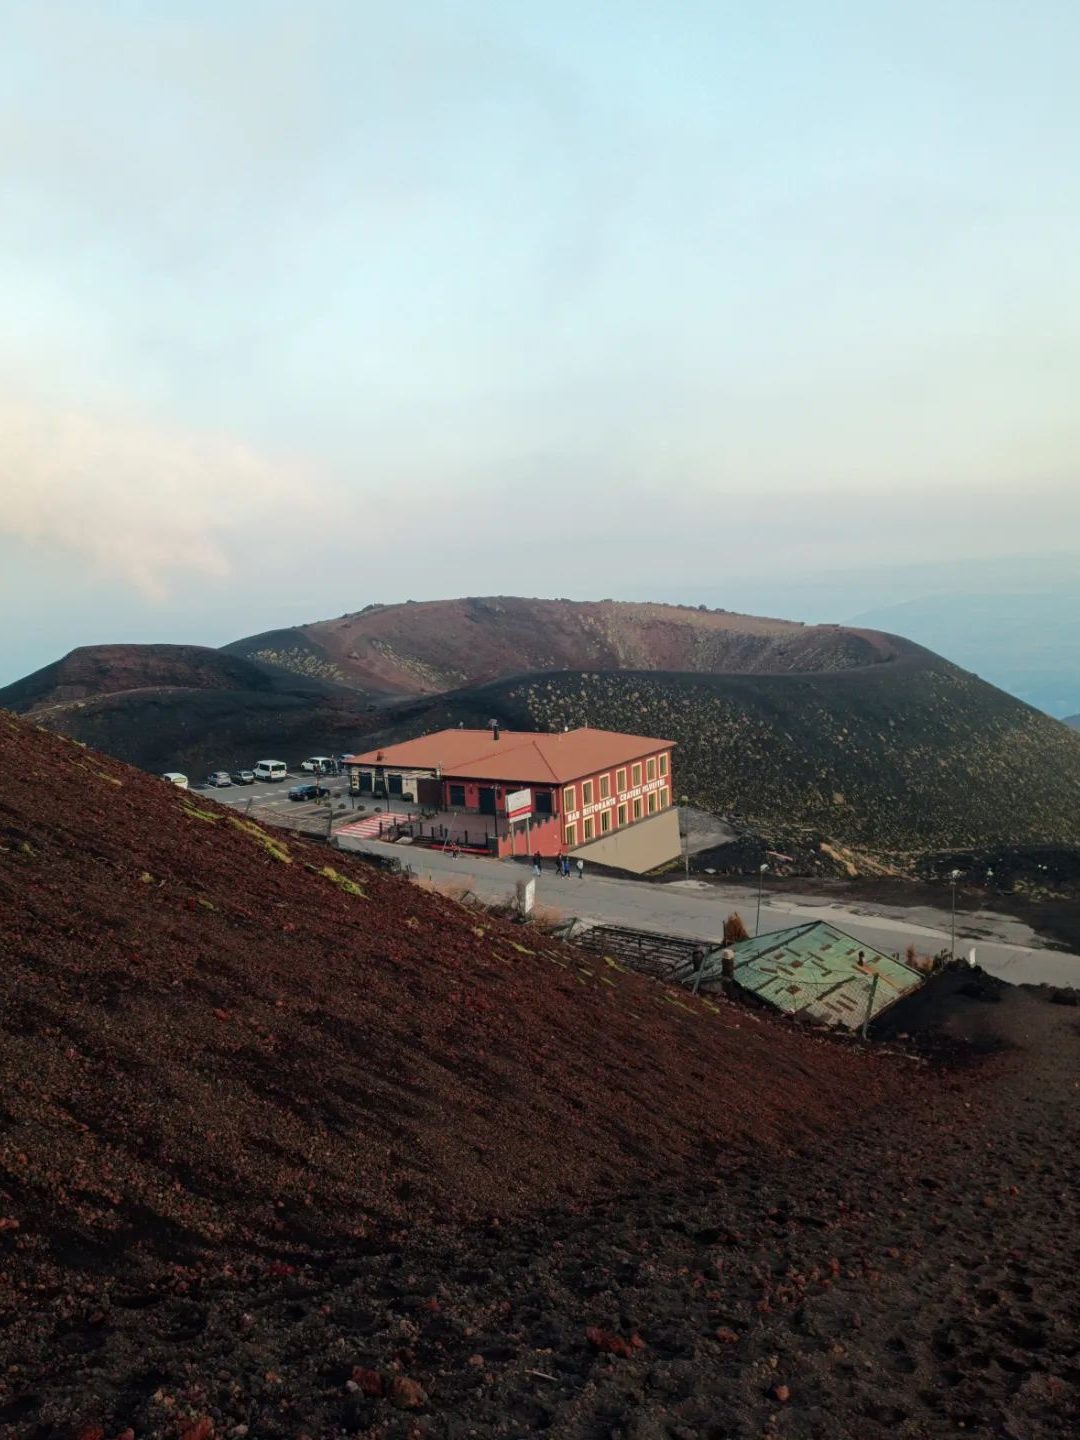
{"x": 538, "y": 861}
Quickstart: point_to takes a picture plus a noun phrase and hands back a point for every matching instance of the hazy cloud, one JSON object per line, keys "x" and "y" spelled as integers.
{"x": 139, "y": 503}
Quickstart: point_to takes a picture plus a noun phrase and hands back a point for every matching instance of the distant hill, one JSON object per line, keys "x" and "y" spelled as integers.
{"x": 438, "y": 645}
{"x": 1073, "y": 720}
{"x": 184, "y": 707}
{"x": 854, "y": 735}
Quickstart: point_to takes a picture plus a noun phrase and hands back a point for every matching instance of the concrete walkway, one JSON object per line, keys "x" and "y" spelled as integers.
{"x": 1003, "y": 946}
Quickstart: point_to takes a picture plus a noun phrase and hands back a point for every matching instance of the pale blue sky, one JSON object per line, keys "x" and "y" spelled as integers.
{"x": 584, "y": 299}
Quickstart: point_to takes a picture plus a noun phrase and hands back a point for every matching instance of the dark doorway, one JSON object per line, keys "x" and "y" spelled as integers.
{"x": 487, "y": 800}
{"x": 457, "y": 796}
{"x": 396, "y": 786}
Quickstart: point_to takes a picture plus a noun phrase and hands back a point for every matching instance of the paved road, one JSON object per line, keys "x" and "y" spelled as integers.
{"x": 1003, "y": 946}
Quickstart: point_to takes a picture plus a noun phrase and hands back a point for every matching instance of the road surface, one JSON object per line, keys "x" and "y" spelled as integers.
{"x": 1003, "y": 946}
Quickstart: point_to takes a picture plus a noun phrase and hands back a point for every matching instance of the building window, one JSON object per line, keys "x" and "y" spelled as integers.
{"x": 652, "y": 802}
{"x": 569, "y": 835}
{"x": 457, "y": 795}
{"x": 542, "y": 802}
{"x": 637, "y": 808}
{"x": 588, "y": 827}
{"x": 663, "y": 797}
{"x": 605, "y": 786}
{"x": 663, "y": 763}
{"x": 586, "y": 792}
{"x": 635, "y": 775}
{"x": 620, "y": 781}
{"x": 605, "y": 821}
{"x": 622, "y": 814}
{"x": 650, "y": 768}
{"x": 569, "y": 799}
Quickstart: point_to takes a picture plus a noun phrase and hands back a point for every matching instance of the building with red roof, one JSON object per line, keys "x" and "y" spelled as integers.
{"x": 598, "y": 794}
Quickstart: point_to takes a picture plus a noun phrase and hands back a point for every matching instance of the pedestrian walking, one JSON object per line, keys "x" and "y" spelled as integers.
{"x": 537, "y": 863}
{"x": 557, "y": 862}
{"x": 454, "y": 852}
{"x": 566, "y": 866}
{"x": 581, "y": 869}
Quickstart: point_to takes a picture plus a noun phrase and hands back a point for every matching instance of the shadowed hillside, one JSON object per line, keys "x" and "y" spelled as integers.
{"x": 444, "y": 644}
{"x": 185, "y": 707}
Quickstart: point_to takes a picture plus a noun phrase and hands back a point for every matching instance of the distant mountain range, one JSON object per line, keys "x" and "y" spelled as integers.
{"x": 854, "y": 734}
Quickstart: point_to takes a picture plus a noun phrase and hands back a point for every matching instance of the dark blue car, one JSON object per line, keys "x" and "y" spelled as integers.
{"x": 307, "y": 792}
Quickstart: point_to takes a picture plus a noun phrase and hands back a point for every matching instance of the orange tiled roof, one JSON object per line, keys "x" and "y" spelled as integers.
{"x": 525, "y": 755}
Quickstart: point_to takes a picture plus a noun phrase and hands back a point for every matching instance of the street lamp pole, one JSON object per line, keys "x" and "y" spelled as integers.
{"x": 954, "y": 876}
{"x": 685, "y": 838}
{"x": 760, "y": 882}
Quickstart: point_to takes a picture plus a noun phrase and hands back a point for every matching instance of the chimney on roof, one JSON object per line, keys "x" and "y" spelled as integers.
{"x": 379, "y": 756}
{"x": 494, "y": 729}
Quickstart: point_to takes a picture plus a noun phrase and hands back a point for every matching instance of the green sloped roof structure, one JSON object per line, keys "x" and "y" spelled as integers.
{"x": 818, "y": 972}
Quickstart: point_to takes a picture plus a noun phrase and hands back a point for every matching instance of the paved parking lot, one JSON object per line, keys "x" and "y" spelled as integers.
{"x": 267, "y": 795}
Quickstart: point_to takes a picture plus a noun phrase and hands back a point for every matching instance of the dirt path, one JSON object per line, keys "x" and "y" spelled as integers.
{"x": 914, "y": 1281}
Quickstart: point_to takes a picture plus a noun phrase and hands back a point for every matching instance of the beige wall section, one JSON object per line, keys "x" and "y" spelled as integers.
{"x": 638, "y": 847}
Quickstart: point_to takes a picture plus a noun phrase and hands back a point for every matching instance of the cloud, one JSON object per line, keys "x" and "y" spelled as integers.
{"x": 134, "y": 502}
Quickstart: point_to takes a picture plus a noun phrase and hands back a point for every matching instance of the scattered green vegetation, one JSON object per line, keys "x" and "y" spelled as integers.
{"x": 275, "y": 848}
{"x": 341, "y": 881}
{"x": 300, "y": 662}
{"x": 198, "y": 814}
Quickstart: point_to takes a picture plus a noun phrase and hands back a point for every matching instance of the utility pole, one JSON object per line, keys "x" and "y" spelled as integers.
{"x": 683, "y": 801}
{"x": 954, "y": 876}
{"x": 760, "y": 883}
{"x": 870, "y": 1006}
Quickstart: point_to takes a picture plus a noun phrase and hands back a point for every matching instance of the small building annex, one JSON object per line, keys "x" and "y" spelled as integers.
{"x": 598, "y": 794}
{"x": 815, "y": 971}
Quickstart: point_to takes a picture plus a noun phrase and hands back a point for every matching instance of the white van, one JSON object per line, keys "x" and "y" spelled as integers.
{"x": 318, "y": 764}
{"x": 175, "y": 778}
{"x": 271, "y": 770}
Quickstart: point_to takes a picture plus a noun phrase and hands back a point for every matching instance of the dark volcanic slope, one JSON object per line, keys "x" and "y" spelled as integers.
{"x": 897, "y": 758}
{"x": 444, "y": 644}
{"x": 185, "y": 707}
{"x": 94, "y": 670}
{"x": 215, "y": 1042}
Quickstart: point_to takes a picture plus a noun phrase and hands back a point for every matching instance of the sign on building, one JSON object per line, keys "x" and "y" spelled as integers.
{"x": 519, "y": 804}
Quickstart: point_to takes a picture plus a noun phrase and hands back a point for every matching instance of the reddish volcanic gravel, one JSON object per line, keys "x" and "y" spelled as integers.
{"x": 282, "y": 1160}
{"x": 210, "y": 1045}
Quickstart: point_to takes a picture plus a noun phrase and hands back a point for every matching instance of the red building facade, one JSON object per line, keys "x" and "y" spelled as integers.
{"x": 583, "y": 784}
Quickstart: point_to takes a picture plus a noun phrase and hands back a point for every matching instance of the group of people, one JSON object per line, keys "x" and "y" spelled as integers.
{"x": 561, "y": 863}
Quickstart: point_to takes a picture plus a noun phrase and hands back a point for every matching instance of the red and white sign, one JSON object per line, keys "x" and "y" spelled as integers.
{"x": 519, "y": 804}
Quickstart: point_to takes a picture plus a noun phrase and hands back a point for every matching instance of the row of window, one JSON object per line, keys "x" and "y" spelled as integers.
{"x": 643, "y": 805}
{"x": 604, "y": 782}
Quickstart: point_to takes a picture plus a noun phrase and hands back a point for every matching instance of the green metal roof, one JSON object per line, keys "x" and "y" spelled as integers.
{"x": 814, "y": 970}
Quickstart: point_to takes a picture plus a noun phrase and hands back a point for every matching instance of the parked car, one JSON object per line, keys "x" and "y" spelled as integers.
{"x": 220, "y": 777}
{"x": 175, "y": 778}
{"x": 317, "y": 764}
{"x": 243, "y": 777}
{"x": 271, "y": 770}
{"x": 307, "y": 792}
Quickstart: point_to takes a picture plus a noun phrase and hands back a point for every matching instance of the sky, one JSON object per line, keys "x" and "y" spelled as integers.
{"x": 309, "y": 306}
